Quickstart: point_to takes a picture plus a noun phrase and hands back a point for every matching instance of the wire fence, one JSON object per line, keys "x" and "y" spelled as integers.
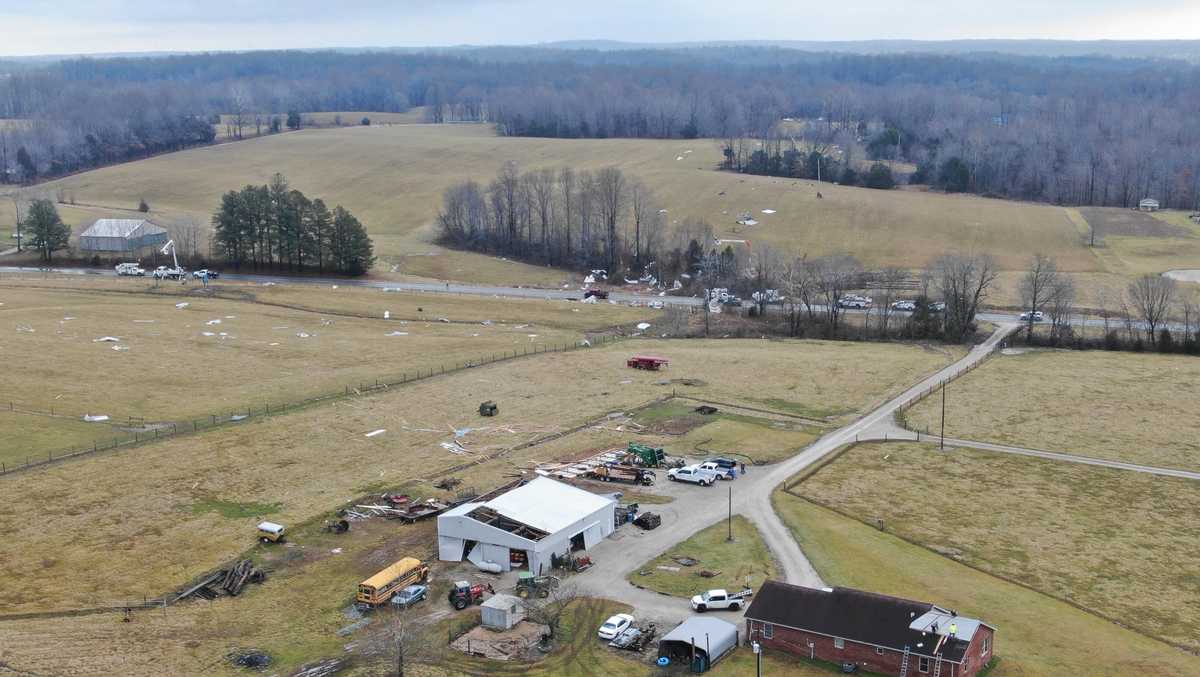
{"x": 901, "y": 411}
{"x": 162, "y": 429}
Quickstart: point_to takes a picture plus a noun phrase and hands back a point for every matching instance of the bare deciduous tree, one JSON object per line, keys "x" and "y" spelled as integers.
{"x": 1039, "y": 279}
{"x": 1151, "y": 297}
{"x": 963, "y": 282}
{"x": 612, "y": 192}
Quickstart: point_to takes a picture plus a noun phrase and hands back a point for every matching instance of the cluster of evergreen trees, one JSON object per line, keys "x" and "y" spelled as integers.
{"x": 274, "y": 226}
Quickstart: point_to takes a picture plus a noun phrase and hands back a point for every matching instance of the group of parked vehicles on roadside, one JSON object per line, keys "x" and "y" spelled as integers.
{"x": 864, "y": 302}
{"x": 707, "y": 473}
{"x": 165, "y": 272}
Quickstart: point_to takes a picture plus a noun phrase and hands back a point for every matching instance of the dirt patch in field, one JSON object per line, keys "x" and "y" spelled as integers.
{"x": 1109, "y": 221}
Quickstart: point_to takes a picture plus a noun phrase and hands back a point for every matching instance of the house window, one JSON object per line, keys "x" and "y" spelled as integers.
{"x": 987, "y": 646}
{"x": 768, "y": 631}
{"x": 879, "y": 650}
{"x": 839, "y": 643}
{"x": 923, "y": 664}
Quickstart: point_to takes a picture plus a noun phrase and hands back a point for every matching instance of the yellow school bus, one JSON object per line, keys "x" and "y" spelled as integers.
{"x": 379, "y": 588}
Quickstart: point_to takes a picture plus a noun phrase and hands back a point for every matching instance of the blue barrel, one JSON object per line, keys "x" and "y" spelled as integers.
{"x": 663, "y": 661}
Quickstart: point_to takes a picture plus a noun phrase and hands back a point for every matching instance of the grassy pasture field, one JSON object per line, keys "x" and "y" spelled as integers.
{"x": 393, "y": 177}
{"x": 174, "y": 364}
{"x": 1037, "y": 635}
{"x": 1124, "y": 406}
{"x": 142, "y": 527}
{"x": 745, "y": 435}
{"x": 1109, "y": 540}
{"x": 746, "y": 562}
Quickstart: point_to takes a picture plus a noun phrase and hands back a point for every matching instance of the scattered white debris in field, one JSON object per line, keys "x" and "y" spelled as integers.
{"x": 662, "y": 211}
{"x": 590, "y": 299}
{"x": 183, "y": 304}
{"x": 94, "y": 419}
{"x": 145, "y": 321}
{"x": 231, "y": 317}
{"x": 120, "y": 347}
{"x": 678, "y": 157}
{"x": 222, "y": 334}
{"x": 531, "y": 336}
{"x": 387, "y": 314}
{"x": 453, "y": 447}
{"x": 67, "y": 318}
{"x": 207, "y": 333}
{"x": 397, "y": 333}
{"x": 238, "y": 417}
{"x": 373, "y": 433}
{"x": 487, "y": 323}
{"x": 335, "y": 286}
{"x": 768, "y": 211}
{"x": 212, "y": 322}
{"x": 283, "y": 327}
{"x": 106, "y": 339}
{"x": 442, "y": 319}
{"x": 336, "y": 551}
{"x": 268, "y": 284}
{"x": 520, "y": 326}
{"x": 590, "y": 279}
{"x": 25, "y": 328}
{"x": 667, "y": 568}
{"x": 643, "y": 325}
{"x": 302, "y": 334}
{"x": 392, "y": 289}
{"x": 272, "y": 344}
{"x": 626, "y": 381}
{"x": 326, "y": 323}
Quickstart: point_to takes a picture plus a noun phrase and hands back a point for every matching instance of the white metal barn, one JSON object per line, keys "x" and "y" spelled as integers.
{"x": 540, "y": 519}
{"x": 121, "y": 235}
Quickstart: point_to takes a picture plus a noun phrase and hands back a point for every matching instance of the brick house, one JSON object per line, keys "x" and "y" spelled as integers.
{"x": 879, "y": 633}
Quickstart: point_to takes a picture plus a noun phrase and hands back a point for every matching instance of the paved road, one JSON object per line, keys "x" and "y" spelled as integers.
{"x": 697, "y": 507}
{"x": 512, "y": 292}
{"x": 893, "y": 432}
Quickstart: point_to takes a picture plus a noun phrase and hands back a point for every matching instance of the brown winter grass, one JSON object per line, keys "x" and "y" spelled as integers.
{"x": 745, "y": 562}
{"x": 393, "y": 178}
{"x": 1109, "y": 540}
{"x": 1036, "y": 634}
{"x": 1123, "y": 406}
{"x": 171, "y": 371}
{"x": 142, "y": 527}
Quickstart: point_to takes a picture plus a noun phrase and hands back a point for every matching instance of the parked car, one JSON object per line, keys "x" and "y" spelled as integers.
{"x": 130, "y": 269}
{"x": 937, "y": 307}
{"x": 692, "y": 473}
{"x": 614, "y": 626}
{"x": 731, "y": 301}
{"x": 720, "y": 471}
{"x": 410, "y": 596}
{"x": 854, "y": 301}
{"x": 904, "y": 305}
{"x": 1035, "y": 315}
{"x": 720, "y": 599}
{"x": 212, "y": 274}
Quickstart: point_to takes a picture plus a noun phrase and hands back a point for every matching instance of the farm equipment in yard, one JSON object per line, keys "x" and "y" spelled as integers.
{"x": 529, "y": 585}
{"x": 580, "y": 563}
{"x": 488, "y": 408}
{"x": 630, "y": 474}
{"x": 624, "y": 514}
{"x": 648, "y": 521}
{"x": 598, "y": 294}
{"x": 647, "y": 362}
{"x": 270, "y": 532}
{"x": 641, "y": 454}
{"x": 463, "y": 594}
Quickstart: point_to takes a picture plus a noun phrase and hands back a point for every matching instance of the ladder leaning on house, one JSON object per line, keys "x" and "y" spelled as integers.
{"x": 904, "y": 663}
{"x": 937, "y": 668}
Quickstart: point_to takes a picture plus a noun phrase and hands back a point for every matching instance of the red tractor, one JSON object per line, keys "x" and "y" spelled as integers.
{"x": 463, "y": 594}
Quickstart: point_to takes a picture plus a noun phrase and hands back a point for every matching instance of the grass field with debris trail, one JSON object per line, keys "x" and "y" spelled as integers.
{"x": 1036, "y": 634}
{"x": 1130, "y": 407}
{"x": 1109, "y": 540}
{"x": 393, "y": 177}
{"x": 136, "y": 527}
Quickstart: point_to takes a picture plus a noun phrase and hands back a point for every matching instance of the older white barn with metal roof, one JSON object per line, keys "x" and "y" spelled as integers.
{"x": 121, "y": 235}
{"x": 531, "y": 523}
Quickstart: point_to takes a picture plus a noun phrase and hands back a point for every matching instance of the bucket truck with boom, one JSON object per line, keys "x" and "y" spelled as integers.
{"x": 174, "y": 272}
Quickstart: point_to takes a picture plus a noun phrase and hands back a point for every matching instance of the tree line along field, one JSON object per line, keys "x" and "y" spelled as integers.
{"x": 1109, "y": 540}
{"x": 1128, "y": 407}
{"x": 151, "y": 518}
{"x": 393, "y": 177}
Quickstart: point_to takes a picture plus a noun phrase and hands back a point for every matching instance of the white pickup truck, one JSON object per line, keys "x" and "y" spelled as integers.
{"x": 167, "y": 272}
{"x": 720, "y": 599}
{"x": 694, "y": 474}
{"x": 130, "y": 269}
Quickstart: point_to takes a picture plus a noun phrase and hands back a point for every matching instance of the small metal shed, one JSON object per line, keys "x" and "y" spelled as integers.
{"x": 699, "y": 642}
{"x": 501, "y": 612}
{"x": 121, "y": 235}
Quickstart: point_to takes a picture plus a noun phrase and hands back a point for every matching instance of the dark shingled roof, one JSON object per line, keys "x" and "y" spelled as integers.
{"x": 850, "y": 614}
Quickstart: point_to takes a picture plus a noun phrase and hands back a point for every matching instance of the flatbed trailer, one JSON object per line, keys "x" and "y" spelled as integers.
{"x": 647, "y": 362}
{"x": 629, "y": 474}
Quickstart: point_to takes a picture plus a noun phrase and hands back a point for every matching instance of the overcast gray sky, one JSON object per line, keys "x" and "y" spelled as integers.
{"x": 75, "y": 26}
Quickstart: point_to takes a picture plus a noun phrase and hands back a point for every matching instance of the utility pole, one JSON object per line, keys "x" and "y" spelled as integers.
{"x": 729, "y": 520}
{"x": 942, "y": 443}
